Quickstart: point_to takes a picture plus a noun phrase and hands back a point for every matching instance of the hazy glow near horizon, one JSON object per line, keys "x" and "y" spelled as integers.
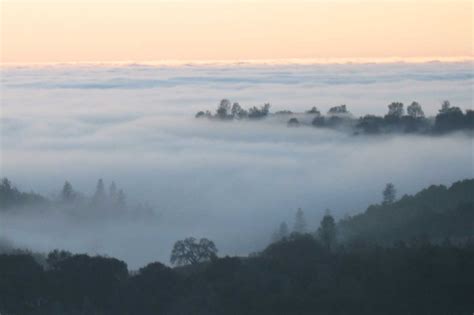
{"x": 72, "y": 31}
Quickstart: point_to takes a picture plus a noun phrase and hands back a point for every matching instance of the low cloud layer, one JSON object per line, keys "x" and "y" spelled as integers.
{"x": 233, "y": 182}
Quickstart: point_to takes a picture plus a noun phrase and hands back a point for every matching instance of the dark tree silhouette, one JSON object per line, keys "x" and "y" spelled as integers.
{"x": 300, "y": 222}
{"x": 67, "y": 193}
{"x": 99, "y": 195}
{"x": 190, "y": 251}
{"x": 223, "y": 109}
{"x": 389, "y": 194}
{"x": 395, "y": 110}
{"x": 449, "y": 118}
{"x": 281, "y": 233}
{"x": 238, "y": 112}
{"x": 314, "y": 110}
{"x": 341, "y": 109}
{"x": 414, "y": 110}
{"x": 293, "y": 122}
{"x": 327, "y": 231}
{"x": 255, "y": 112}
{"x": 319, "y": 121}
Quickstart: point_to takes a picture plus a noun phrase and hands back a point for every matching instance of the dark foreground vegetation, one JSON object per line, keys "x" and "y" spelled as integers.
{"x": 449, "y": 118}
{"x": 414, "y": 255}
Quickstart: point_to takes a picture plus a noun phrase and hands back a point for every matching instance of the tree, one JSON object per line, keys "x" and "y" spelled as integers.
{"x": 202, "y": 114}
{"x": 414, "y": 110}
{"x": 67, "y": 193}
{"x": 341, "y": 109}
{"x": 445, "y": 107}
{"x": 370, "y": 124}
{"x": 395, "y": 110}
{"x": 113, "y": 192}
{"x": 449, "y": 118}
{"x": 293, "y": 122}
{"x": 223, "y": 109}
{"x": 389, "y": 194}
{"x": 319, "y": 121}
{"x": 57, "y": 256}
{"x": 237, "y": 111}
{"x": 99, "y": 195}
{"x": 327, "y": 231}
{"x": 281, "y": 233}
{"x": 255, "y": 112}
{"x": 300, "y": 222}
{"x": 189, "y": 251}
{"x": 314, "y": 110}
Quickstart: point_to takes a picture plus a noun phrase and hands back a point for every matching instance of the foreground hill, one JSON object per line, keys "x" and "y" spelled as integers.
{"x": 299, "y": 274}
{"x": 435, "y": 213}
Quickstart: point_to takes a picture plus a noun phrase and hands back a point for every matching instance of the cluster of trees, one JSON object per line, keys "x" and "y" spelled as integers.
{"x": 10, "y": 196}
{"x": 227, "y": 111}
{"x": 113, "y": 198}
{"x": 297, "y": 275}
{"x": 449, "y": 118}
{"x": 436, "y": 213}
{"x": 413, "y": 120}
{"x": 103, "y": 202}
{"x": 326, "y": 233}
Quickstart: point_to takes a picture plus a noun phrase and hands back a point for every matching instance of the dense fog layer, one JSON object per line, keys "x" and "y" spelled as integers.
{"x": 232, "y": 182}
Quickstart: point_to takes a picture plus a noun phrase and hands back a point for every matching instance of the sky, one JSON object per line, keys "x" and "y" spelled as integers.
{"x": 144, "y": 30}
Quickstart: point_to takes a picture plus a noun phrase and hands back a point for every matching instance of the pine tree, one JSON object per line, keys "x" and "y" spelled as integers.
{"x": 389, "y": 194}
{"x": 300, "y": 222}
{"x": 327, "y": 231}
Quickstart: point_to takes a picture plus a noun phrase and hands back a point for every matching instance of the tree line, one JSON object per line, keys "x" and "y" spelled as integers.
{"x": 327, "y": 271}
{"x": 412, "y": 120}
{"x": 103, "y": 201}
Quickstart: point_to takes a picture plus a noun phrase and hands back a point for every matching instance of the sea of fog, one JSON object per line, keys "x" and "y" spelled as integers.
{"x": 232, "y": 182}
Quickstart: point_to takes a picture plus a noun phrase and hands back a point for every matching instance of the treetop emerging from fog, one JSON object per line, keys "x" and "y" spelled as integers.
{"x": 448, "y": 119}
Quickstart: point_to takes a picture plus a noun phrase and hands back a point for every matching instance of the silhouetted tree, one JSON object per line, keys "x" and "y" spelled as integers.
{"x": 395, "y": 110}
{"x": 113, "y": 192}
{"x": 327, "y": 231}
{"x": 300, "y": 222}
{"x": 255, "y": 112}
{"x": 414, "y": 110}
{"x": 319, "y": 121}
{"x": 57, "y": 256}
{"x": 469, "y": 119}
{"x": 67, "y": 193}
{"x": 238, "y": 112}
{"x": 445, "y": 107}
{"x": 281, "y": 233}
{"x": 389, "y": 194}
{"x": 223, "y": 109}
{"x": 313, "y": 110}
{"x": 341, "y": 109}
{"x": 99, "y": 195}
{"x": 449, "y": 118}
{"x": 189, "y": 251}
{"x": 293, "y": 122}
{"x": 370, "y": 124}
{"x": 203, "y": 114}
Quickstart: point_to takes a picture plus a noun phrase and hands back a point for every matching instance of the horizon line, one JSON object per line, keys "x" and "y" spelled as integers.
{"x": 237, "y": 62}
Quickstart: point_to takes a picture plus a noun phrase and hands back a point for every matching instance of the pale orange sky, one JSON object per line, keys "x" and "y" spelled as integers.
{"x": 146, "y": 30}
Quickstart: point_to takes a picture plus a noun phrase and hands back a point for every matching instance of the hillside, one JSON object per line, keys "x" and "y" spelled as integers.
{"x": 435, "y": 213}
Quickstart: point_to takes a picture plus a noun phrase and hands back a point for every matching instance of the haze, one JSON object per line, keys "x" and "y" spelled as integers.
{"x": 232, "y": 182}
